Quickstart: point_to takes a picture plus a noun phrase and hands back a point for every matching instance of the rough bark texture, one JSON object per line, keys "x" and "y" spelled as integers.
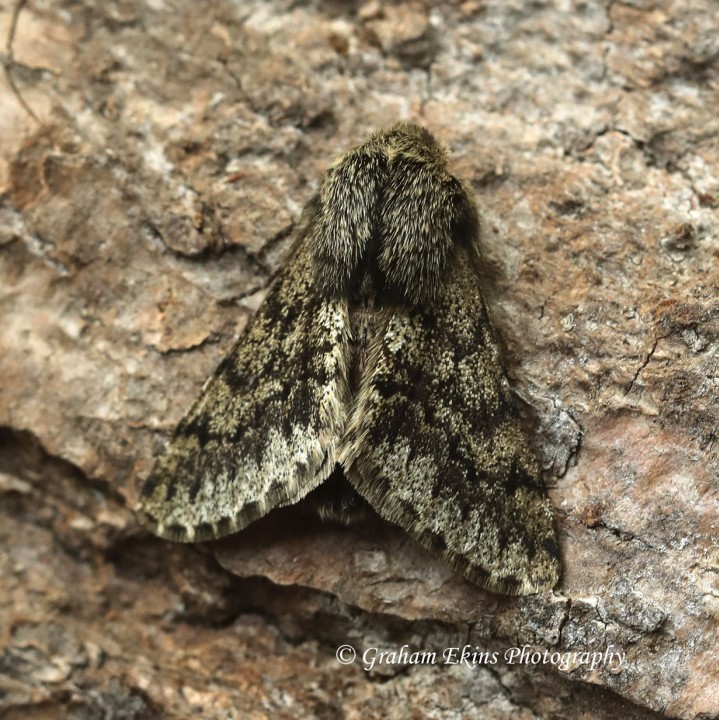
{"x": 139, "y": 223}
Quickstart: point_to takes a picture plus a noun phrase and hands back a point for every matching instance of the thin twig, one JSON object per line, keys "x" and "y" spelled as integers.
{"x": 9, "y": 61}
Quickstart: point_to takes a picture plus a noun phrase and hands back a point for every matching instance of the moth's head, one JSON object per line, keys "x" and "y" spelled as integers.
{"x": 391, "y": 206}
{"x": 407, "y": 140}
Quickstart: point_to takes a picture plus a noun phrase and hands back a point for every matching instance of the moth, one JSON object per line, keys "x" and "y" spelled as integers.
{"x": 371, "y": 375}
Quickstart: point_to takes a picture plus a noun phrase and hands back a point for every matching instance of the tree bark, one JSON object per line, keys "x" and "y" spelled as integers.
{"x": 143, "y": 211}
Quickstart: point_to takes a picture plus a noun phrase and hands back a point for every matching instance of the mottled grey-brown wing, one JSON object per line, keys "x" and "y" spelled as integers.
{"x": 436, "y": 445}
{"x": 263, "y": 432}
